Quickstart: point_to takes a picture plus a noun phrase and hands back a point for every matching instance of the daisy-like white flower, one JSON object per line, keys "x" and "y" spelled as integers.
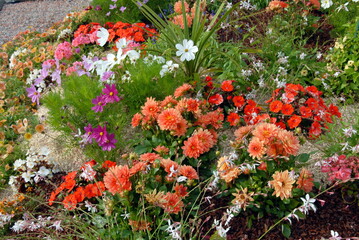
{"x": 326, "y": 3}
{"x": 102, "y": 35}
{"x": 186, "y": 50}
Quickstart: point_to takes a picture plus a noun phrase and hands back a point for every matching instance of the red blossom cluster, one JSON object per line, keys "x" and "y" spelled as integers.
{"x": 137, "y": 32}
{"x": 176, "y": 114}
{"x": 341, "y": 168}
{"x": 301, "y": 107}
{"x": 84, "y": 189}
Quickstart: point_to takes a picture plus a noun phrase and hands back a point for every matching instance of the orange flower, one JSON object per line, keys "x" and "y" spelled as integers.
{"x": 227, "y": 86}
{"x": 238, "y": 101}
{"x": 294, "y": 121}
{"x": 265, "y": 131}
{"x": 192, "y": 147}
{"x": 181, "y": 190}
{"x": 205, "y": 138}
{"x": 282, "y": 184}
{"x": 241, "y": 132}
{"x": 188, "y": 172}
{"x": 79, "y": 194}
{"x": 275, "y": 106}
{"x": 256, "y": 148}
{"x": 305, "y": 180}
{"x": 140, "y": 166}
{"x": 161, "y": 149}
{"x": 181, "y": 128}
{"x": 287, "y": 109}
{"x": 136, "y": 120}
{"x": 168, "y": 102}
{"x": 215, "y": 99}
{"x": 169, "y": 118}
{"x": 150, "y": 157}
{"x": 39, "y": 128}
{"x": 170, "y": 166}
{"x": 70, "y": 202}
{"x": 173, "y": 203}
{"x": 108, "y": 164}
{"x": 117, "y": 179}
{"x": 290, "y": 142}
{"x": 274, "y": 5}
{"x": 151, "y": 107}
{"x": 230, "y": 175}
{"x": 180, "y": 91}
{"x": 177, "y": 7}
{"x": 242, "y": 198}
{"x": 139, "y": 225}
{"x": 178, "y": 20}
{"x": 305, "y": 112}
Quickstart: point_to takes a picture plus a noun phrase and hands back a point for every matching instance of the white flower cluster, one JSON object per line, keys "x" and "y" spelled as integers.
{"x": 5, "y": 218}
{"x": 33, "y": 169}
{"x": 247, "y": 5}
{"x": 64, "y": 33}
{"x": 308, "y": 204}
{"x": 150, "y": 59}
{"x": 13, "y": 56}
{"x": 174, "y": 230}
{"x": 33, "y": 224}
{"x": 169, "y": 67}
{"x": 34, "y": 74}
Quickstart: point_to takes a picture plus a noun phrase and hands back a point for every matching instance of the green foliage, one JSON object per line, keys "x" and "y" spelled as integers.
{"x": 344, "y": 60}
{"x": 340, "y": 19}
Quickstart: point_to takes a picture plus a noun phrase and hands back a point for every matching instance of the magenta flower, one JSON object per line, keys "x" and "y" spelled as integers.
{"x": 33, "y": 94}
{"x": 100, "y": 102}
{"x": 100, "y": 135}
{"x": 109, "y": 144}
{"x": 106, "y": 75}
{"x": 88, "y": 134}
{"x": 110, "y": 92}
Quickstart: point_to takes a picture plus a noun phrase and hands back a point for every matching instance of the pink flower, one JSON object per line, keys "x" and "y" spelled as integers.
{"x": 33, "y": 94}
{"x": 63, "y": 50}
{"x": 100, "y": 102}
{"x": 110, "y": 92}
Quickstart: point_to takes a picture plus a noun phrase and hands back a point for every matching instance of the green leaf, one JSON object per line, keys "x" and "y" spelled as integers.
{"x": 286, "y": 230}
{"x": 216, "y": 236}
{"x": 304, "y": 157}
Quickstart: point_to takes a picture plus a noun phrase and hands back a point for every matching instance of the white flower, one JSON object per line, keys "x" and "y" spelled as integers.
{"x": 44, "y": 151}
{"x": 19, "y": 226}
{"x": 27, "y": 176}
{"x": 181, "y": 179}
{"x": 121, "y": 43}
{"x": 30, "y": 164}
{"x": 186, "y": 50}
{"x": 88, "y": 173}
{"x": 43, "y": 171}
{"x": 174, "y": 230}
{"x": 326, "y": 3}
{"x": 102, "y": 35}
{"x": 57, "y": 226}
{"x": 168, "y": 67}
{"x": 222, "y": 232}
{"x": 308, "y": 204}
{"x": 348, "y": 132}
{"x": 125, "y": 215}
{"x": 302, "y": 56}
{"x": 335, "y": 235}
{"x": 126, "y": 77}
{"x": 19, "y": 164}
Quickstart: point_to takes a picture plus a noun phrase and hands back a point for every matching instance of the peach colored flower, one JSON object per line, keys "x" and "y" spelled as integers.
{"x": 138, "y": 167}
{"x": 290, "y": 142}
{"x": 282, "y": 184}
{"x": 168, "y": 102}
{"x": 139, "y": 225}
{"x": 178, "y": 20}
{"x": 136, "y": 120}
{"x": 173, "y": 203}
{"x": 170, "y": 167}
{"x": 242, "y": 198}
{"x": 230, "y": 175}
{"x": 265, "y": 132}
{"x": 117, "y": 179}
{"x": 168, "y": 119}
{"x": 180, "y": 91}
{"x": 181, "y": 128}
{"x": 192, "y": 147}
{"x": 256, "y": 148}
{"x": 241, "y": 132}
{"x": 150, "y": 157}
{"x": 151, "y": 108}
{"x": 177, "y": 7}
{"x": 188, "y": 172}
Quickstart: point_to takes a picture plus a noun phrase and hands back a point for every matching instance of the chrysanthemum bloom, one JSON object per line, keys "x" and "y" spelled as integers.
{"x": 275, "y": 106}
{"x": 290, "y": 142}
{"x": 265, "y": 131}
{"x": 180, "y": 91}
{"x": 136, "y": 120}
{"x": 294, "y": 121}
{"x": 205, "y": 138}
{"x": 155, "y": 198}
{"x": 188, "y": 171}
{"x": 223, "y": 165}
{"x": 177, "y": 7}
{"x": 150, "y": 157}
{"x": 173, "y": 203}
{"x": 138, "y": 167}
{"x": 171, "y": 167}
{"x": 180, "y": 190}
{"x": 181, "y": 128}
{"x": 214, "y": 118}
{"x": 241, "y": 132}
{"x": 282, "y": 184}
{"x": 287, "y": 109}
{"x": 193, "y": 105}
{"x": 192, "y": 147}
{"x": 117, "y": 179}
{"x": 227, "y": 86}
{"x": 168, "y": 102}
{"x": 151, "y": 108}
{"x": 161, "y": 149}
{"x": 242, "y": 198}
{"x": 169, "y": 118}
{"x": 305, "y": 180}
{"x": 256, "y": 148}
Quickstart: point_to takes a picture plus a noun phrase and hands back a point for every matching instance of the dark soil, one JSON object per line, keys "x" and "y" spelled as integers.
{"x": 335, "y": 215}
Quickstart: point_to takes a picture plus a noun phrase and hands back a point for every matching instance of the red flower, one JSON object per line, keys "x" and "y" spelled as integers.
{"x": 215, "y": 99}
{"x": 334, "y": 111}
{"x": 180, "y": 190}
{"x": 312, "y": 104}
{"x": 275, "y": 106}
{"x": 108, "y": 164}
{"x": 227, "y": 86}
{"x": 313, "y": 90}
{"x": 305, "y": 112}
{"x": 287, "y": 109}
{"x": 233, "y": 119}
{"x": 315, "y": 129}
{"x": 238, "y": 101}
{"x": 294, "y": 121}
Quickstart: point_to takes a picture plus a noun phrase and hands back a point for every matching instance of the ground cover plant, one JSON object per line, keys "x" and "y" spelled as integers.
{"x": 193, "y": 117}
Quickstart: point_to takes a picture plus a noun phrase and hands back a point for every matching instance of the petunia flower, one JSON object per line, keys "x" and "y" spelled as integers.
{"x": 186, "y": 50}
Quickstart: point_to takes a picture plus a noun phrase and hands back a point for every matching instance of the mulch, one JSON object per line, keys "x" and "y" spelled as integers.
{"x": 336, "y": 214}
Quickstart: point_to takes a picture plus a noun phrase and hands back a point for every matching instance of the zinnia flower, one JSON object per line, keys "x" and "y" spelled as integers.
{"x": 282, "y": 184}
